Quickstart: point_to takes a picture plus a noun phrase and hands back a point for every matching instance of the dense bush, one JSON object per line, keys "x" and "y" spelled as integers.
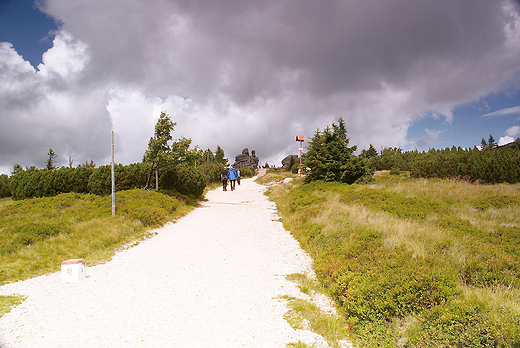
{"x": 27, "y": 184}
{"x": 187, "y": 180}
{"x": 247, "y": 172}
{"x": 393, "y": 158}
{"x": 151, "y": 208}
{"x": 34, "y": 183}
{"x": 125, "y": 177}
{"x": 5, "y": 187}
{"x": 80, "y": 177}
{"x": 295, "y": 167}
{"x": 211, "y": 171}
{"x": 466, "y": 322}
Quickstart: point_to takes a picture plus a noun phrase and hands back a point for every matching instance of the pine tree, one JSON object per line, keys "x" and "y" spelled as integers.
{"x": 52, "y": 160}
{"x": 330, "y": 158}
{"x": 219, "y": 156}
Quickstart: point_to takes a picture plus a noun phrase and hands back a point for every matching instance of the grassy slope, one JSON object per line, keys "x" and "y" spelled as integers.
{"x": 414, "y": 263}
{"x": 36, "y": 235}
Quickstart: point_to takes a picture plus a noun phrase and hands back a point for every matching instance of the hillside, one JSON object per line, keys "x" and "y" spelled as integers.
{"x": 414, "y": 262}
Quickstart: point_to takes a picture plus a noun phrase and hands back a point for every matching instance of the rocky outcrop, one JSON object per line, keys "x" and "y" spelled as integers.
{"x": 286, "y": 162}
{"x": 244, "y": 160}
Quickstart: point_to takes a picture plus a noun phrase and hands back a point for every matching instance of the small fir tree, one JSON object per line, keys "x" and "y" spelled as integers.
{"x": 51, "y": 161}
{"x": 331, "y": 159}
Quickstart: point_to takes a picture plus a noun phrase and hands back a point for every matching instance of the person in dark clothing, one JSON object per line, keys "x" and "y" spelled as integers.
{"x": 224, "y": 178}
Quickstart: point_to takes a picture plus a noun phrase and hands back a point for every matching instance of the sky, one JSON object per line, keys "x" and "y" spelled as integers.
{"x": 412, "y": 74}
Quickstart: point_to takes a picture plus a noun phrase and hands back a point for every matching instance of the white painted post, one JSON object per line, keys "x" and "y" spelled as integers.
{"x": 113, "y": 180}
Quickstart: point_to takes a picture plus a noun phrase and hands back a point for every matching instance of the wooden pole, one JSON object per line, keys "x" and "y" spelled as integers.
{"x": 113, "y": 180}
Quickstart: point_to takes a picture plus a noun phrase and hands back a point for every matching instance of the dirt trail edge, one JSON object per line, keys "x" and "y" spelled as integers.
{"x": 209, "y": 280}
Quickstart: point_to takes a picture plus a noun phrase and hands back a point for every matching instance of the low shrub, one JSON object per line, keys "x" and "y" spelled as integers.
{"x": 151, "y": 208}
{"x": 465, "y": 322}
{"x": 5, "y": 186}
{"x": 247, "y": 172}
{"x": 185, "y": 179}
{"x": 211, "y": 171}
{"x": 295, "y": 168}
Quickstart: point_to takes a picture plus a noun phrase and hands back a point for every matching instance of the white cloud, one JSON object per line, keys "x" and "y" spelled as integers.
{"x": 66, "y": 58}
{"x": 506, "y": 111}
{"x": 513, "y": 131}
{"x": 505, "y": 140}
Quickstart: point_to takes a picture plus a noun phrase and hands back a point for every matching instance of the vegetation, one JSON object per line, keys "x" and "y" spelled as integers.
{"x": 5, "y": 186}
{"x": 185, "y": 170}
{"x": 331, "y": 159}
{"x": 37, "y": 234}
{"x": 413, "y": 262}
{"x": 9, "y": 302}
{"x": 491, "y": 165}
{"x": 307, "y": 315}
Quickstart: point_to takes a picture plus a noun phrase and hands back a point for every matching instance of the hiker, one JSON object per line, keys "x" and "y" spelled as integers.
{"x": 232, "y": 176}
{"x": 238, "y": 176}
{"x": 224, "y": 178}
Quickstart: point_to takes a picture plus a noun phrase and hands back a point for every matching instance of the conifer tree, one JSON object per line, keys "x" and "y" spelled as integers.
{"x": 51, "y": 161}
{"x": 330, "y": 158}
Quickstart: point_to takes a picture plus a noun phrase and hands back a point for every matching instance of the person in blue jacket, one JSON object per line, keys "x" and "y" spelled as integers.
{"x": 232, "y": 177}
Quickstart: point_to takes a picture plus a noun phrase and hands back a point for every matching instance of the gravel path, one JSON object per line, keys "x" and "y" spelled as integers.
{"x": 209, "y": 280}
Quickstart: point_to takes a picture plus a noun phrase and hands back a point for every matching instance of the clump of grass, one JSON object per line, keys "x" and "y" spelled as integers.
{"x": 5, "y": 201}
{"x": 9, "y": 302}
{"x": 298, "y": 344}
{"x": 306, "y": 315}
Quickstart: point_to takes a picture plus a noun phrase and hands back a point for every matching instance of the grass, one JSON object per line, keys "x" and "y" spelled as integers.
{"x": 306, "y": 315}
{"x": 9, "y": 302}
{"x": 36, "y": 235}
{"x": 273, "y": 176}
{"x": 413, "y": 262}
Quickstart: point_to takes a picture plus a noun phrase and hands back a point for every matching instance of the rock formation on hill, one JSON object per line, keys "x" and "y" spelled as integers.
{"x": 244, "y": 160}
{"x": 286, "y": 162}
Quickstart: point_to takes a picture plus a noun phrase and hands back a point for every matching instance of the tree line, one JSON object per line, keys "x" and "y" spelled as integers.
{"x": 329, "y": 157}
{"x": 490, "y": 165}
{"x": 175, "y": 165}
{"x": 167, "y": 164}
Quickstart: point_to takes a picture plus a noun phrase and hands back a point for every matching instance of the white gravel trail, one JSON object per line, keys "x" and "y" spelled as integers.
{"x": 209, "y": 280}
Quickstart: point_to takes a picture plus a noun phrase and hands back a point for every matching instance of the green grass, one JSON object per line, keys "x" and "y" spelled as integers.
{"x": 36, "y": 235}
{"x": 9, "y": 302}
{"x": 306, "y": 315}
{"x": 406, "y": 259}
{"x": 275, "y": 176}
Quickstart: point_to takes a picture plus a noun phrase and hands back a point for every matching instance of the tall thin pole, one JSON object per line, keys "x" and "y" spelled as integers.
{"x": 113, "y": 180}
{"x": 300, "y": 170}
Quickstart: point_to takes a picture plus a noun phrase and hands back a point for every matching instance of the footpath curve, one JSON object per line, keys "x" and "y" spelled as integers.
{"x": 209, "y": 280}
